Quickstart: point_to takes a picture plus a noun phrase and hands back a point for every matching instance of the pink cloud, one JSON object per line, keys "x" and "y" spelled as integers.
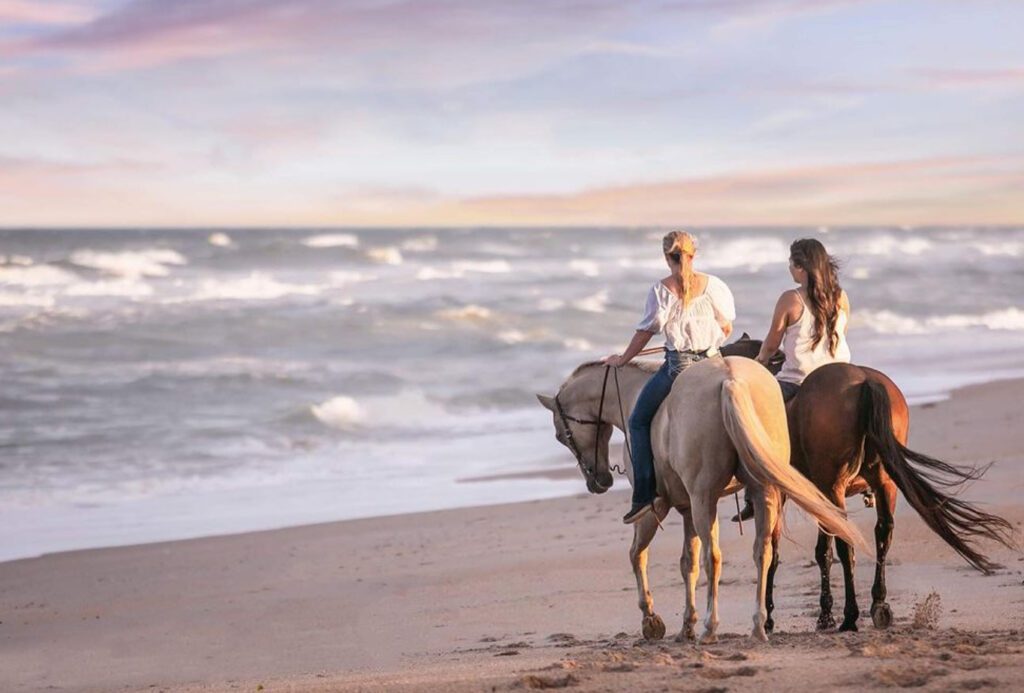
{"x": 954, "y": 77}
{"x": 26, "y": 12}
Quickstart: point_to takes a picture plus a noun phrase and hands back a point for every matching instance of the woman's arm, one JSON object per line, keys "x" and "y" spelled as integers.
{"x": 639, "y": 341}
{"x": 844, "y": 305}
{"x": 780, "y": 321}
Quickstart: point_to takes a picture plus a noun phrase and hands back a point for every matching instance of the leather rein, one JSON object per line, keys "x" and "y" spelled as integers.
{"x": 588, "y": 473}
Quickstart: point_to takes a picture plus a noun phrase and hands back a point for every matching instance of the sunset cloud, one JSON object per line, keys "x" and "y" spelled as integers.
{"x": 378, "y": 112}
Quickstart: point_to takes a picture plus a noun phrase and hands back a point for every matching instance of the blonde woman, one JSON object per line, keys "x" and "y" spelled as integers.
{"x": 695, "y": 311}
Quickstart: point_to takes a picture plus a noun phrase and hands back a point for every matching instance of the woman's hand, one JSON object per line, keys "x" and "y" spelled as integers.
{"x": 615, "y": 360}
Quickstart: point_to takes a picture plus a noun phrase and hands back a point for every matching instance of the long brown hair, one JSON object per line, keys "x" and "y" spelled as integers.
{"x": 823, "y": 288}
{"x": 681, "y": 247}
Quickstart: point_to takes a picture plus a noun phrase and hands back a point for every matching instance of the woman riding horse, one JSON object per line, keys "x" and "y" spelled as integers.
{"x": 695, "y": 311}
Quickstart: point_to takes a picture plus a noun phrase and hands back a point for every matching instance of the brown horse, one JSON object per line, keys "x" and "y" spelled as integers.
{"x": 848, "y": 432}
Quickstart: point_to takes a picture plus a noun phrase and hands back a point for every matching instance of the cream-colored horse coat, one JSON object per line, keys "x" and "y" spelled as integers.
{"x": 724, "y": 418}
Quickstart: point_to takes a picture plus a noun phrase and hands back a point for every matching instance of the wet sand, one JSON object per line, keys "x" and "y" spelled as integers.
{"x": 520, "y": 596}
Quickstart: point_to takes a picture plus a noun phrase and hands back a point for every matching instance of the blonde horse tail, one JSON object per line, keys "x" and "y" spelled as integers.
{"x": 763, "y": 460}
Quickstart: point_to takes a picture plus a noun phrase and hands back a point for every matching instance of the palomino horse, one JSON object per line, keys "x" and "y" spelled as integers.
{"x": 724, "y": 418}
{"x": 848, "y": 430}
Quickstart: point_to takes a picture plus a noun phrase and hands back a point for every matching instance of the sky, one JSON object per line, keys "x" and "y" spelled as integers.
{"x": 511, "y": 112}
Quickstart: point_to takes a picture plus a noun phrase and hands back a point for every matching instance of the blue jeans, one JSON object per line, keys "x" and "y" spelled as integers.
{"x": 789, "y": 390}
{"x": 647, "y": 404}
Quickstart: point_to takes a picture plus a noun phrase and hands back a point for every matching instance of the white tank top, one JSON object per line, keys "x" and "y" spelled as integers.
{"x": 801, "y": 359}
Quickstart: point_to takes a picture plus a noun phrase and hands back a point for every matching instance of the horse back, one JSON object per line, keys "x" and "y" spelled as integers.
{"x": 825, "y": 428}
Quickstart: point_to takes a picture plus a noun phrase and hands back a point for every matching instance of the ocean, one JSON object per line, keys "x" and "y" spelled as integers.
{"x": 164, "y": 384}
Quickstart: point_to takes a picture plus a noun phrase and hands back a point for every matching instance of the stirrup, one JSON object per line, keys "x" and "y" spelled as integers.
{"x": 637, "y": 512}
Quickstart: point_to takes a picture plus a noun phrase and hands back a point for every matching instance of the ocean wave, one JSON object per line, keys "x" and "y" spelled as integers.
{"x": 421, "y": 244}
{"x": 35, "y": 275}
{"x": 385, "y": 255}
{"x": 331, "y": 240}
{"x": 482, "y": 266}
{"x": 471, "y": 312}
{"x": 577, "y": 344}
{"x": 132, "y": 264}
{"x": 548, "y": 305}
{"x": 22, "y": 260}
{"x": 340, "y": 412}
{"x": 748, "y": 253}
{"x": 588, "y": 268}
{"x": 257, "y": 286}
{"x": 459, "y": 269}
{"x": 219, "y": 239}
{"x": 125, "y": 288}
{"x": 339, "y": 277}
{"x": 10, "y": 299}
{"x": 891, "y": 245}
{"x": 999, "y": 248}
{"x": 888, "y": 322}
{"x": 595, "y": 303}
{"x": 406, "y": 409}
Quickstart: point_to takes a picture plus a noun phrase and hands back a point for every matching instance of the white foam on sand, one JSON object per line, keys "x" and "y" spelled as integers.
{"x": 331, "y": 240}
{"x": 132, "y": 264}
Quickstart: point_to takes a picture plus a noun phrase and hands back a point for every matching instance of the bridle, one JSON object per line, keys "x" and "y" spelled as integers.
{"x": 590, "y": 474}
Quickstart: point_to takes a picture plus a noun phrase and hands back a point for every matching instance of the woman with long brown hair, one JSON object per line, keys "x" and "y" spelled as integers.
{"x": 809, "y": 322}
{"x": 695, "y": 311}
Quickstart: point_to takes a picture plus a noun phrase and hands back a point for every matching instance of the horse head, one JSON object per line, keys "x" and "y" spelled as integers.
{"x": 575, "y": 411}
{"x": 749, "y": 348}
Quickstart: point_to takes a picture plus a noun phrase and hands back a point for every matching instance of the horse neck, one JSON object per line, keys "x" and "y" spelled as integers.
{"x": 586, "y": 386}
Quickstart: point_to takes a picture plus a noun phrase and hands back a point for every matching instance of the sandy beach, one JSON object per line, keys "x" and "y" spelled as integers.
{"x": 526, "y": 595}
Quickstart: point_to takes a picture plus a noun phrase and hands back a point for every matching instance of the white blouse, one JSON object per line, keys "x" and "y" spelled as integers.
{"x": 696, "y": 328}
{"x": 801, "y": 359}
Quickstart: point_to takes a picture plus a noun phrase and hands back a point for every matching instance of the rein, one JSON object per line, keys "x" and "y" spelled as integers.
{"x": 571, "y": 440}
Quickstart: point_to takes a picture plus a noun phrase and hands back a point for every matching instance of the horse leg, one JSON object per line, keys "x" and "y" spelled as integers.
{"x": 851, "y": 612}
{"x": 689, "y": 566}
{"x": 769, "y": 601}
{"x": 705, "y": 520}
{"x": 765, "y": 516}
{"x": 823, "y": 555}
{"x": 885, "y": 505}
{"x": 652, "y": 626}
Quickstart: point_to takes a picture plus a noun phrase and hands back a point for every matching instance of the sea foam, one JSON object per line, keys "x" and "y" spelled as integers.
{"x": 153, "y": 262}
{"x": 331, "y": 240}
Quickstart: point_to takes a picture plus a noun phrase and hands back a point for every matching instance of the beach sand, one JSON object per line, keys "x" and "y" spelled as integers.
{"x": 521, "y": 596}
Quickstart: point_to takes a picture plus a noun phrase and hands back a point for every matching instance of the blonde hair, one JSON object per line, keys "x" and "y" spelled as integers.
{"x": 685, "y": 246}
{"x": 679, "y": 242}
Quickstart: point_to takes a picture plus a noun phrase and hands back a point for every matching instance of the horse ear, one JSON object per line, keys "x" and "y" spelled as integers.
{"x": 744, "y": 337}
{"x": 547, "y": 402}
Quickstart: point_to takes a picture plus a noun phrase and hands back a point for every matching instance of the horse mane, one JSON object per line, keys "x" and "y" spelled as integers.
{"x": 646, "y": 366}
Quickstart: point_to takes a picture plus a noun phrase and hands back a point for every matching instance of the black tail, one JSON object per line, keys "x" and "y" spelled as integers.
{"x": 919, "y": 478}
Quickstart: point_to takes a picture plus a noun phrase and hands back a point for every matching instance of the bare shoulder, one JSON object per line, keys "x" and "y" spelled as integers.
{"x": 844, "y": 301}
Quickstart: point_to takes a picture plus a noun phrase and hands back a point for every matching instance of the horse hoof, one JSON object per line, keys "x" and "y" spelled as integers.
{"x": 848, "y": 627}
{"x": 826, "y": 622}
{"x": 708, "y": 638}
{"x": 769, "y": 625}
{"x": 759, "y": 635}
{"x": 881, "y": 615}
{"x": 653, "y": 627}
